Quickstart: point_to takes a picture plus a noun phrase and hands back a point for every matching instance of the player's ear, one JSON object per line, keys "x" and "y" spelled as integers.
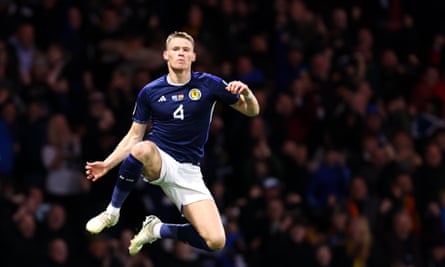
{"x": 165, "y": 55}
{"x": 194, "y": 57}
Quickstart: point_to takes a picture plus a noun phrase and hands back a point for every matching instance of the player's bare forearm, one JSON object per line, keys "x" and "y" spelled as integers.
{"x": 97, "y": 169}
{"x": 120, "y": 152}
{"x": 134, "y": 135}
{"x": 248, "y": 103}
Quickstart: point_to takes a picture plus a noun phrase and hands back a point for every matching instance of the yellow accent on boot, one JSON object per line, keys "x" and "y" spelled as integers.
{"x": 145, "y": 235}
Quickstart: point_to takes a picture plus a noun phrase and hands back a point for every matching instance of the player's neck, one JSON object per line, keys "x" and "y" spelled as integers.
{"x": 178, "y": 77}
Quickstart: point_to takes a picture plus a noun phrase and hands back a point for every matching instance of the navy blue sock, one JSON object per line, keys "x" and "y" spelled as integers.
{"x": 185, "y": 233}
{"x": 129, "y": 171}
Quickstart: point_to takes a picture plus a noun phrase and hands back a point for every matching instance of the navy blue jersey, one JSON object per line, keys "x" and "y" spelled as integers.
{"x": 181, "y": 114}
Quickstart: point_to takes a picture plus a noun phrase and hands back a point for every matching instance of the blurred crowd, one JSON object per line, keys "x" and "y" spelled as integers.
{"x": 344, "y": 167}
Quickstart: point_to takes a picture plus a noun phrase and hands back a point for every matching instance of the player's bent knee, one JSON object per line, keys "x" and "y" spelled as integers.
{"x": 216, "y": 243}
{"x": 143, "y": 149}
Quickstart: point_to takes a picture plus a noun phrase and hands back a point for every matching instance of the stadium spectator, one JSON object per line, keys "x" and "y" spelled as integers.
{"x": 57, "y": 255}
{"x": 360, "y": 203}
{"x": 25, "y": 49}
{"x": 359, "y": 242}
{"x": 402, "y": 245}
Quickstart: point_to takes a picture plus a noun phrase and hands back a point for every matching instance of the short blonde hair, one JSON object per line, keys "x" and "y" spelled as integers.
{"x": 177, "y": 34}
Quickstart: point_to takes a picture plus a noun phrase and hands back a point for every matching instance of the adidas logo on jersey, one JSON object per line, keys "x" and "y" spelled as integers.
{"x": 162, "y": 99}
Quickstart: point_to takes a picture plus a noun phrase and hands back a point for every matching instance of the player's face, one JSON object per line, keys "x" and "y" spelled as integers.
{"x": 179, "y": 54}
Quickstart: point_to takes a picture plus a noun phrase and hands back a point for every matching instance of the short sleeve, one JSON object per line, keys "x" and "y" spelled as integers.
{"x": 142, "y": 109}
{"x": 218, "y": 86}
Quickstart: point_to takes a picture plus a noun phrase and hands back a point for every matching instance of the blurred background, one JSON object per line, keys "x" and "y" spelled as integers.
{"x": 344, "y": 166}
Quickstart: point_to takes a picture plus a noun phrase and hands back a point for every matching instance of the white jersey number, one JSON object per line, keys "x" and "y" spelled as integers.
{"x": 179, "y": 112}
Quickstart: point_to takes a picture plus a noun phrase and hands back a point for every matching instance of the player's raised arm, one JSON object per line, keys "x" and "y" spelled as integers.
{"x": 97, "y": 169}
{"x": 247, "y": 104}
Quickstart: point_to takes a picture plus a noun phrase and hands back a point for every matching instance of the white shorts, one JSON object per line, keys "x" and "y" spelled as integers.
{"x": 181, "y": 182}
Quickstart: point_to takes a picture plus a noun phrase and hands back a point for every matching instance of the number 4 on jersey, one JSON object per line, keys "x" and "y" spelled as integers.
{"x": 179, "y": 112}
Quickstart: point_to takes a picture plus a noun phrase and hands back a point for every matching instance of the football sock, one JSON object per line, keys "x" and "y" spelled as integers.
{"x": 185, "y": 233}
{"x": 129, "y": 172}
{"x": 112, "y": 210}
